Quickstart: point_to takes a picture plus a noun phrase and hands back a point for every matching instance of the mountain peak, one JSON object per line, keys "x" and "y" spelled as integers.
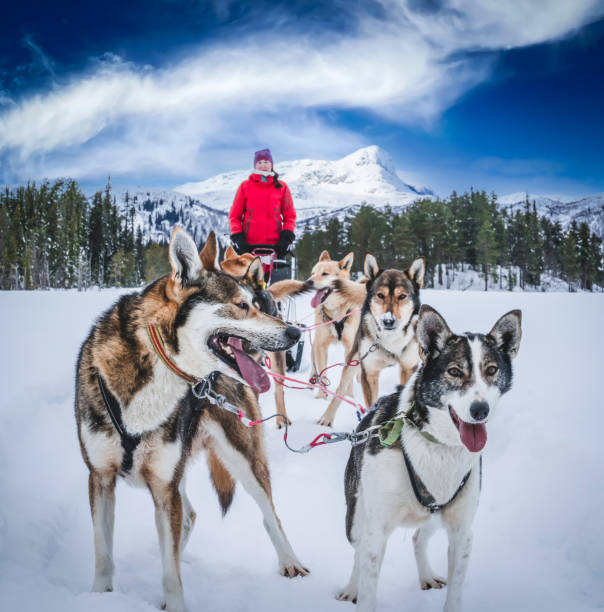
{"x": 371, "y": 155}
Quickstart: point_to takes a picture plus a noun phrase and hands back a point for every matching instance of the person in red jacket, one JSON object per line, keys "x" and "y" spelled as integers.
{"x": 263, "y": 211}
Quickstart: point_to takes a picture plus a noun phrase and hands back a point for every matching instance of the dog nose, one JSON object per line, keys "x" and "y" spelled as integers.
{"x": 293, "y": 333}
{"x": 309, "y": 282}
{"x": 388, "y": 321}
{"x": 479, "y": 411}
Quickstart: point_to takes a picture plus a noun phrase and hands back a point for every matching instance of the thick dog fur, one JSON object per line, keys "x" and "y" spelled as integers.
{"x": 190, "y": 307}
{"x": 450, "y": 398}
{"x": 333, "y": 305}
{"x": 387, "y": 323}
{"x": 237, "y": 265}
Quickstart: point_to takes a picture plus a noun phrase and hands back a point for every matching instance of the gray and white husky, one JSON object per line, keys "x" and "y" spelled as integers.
{"x": 140, "y": 420}
{"x": 434, "y": 467}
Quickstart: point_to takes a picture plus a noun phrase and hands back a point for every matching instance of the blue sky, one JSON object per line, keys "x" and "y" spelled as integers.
{"x": 503, "y": 96}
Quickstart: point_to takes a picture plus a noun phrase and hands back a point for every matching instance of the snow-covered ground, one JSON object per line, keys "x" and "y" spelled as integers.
{"x": 538, "y": 542}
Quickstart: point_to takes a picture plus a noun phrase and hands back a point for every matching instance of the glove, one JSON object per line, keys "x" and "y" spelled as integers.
{"x": 284, "y": 242}
{"x": 240, "y": 243}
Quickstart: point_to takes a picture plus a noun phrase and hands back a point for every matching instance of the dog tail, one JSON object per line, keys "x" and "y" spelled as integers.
{"x": 288, "y": 288}
{"x": 222, "y": 480}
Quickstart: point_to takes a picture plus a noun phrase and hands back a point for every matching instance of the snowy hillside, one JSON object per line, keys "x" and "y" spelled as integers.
{"x": 367, "y": 175}
{"x": 157, "y": 211}
{"x": 538, "y": 542}
{"x": 589, "y": 210}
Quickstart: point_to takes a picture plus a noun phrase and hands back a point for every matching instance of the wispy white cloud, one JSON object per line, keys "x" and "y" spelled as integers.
{"x": 227, "y": 99}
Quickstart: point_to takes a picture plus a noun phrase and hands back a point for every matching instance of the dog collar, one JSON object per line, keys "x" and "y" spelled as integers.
{"x": 391, "y": 430}
{"x": 201, "y": 388}
{"x": 160, "y": 348}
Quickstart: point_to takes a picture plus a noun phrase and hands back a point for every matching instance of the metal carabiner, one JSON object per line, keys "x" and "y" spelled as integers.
{"x": 203, "y": 392}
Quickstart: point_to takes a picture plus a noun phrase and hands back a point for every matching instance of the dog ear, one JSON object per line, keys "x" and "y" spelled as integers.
{"x": 186, "y": 266}
{"x": 417, "y": 270}
{"x": 507, "y": 332}
{"x": 230, "y": 253}
{"x": 209, "y": 253}
{"x": 254, "y": 275}
{"x": 346, "y": 263}
{"x": 432, "y": 332}
{"x": 371, "y": 267}
{"x": 324, "y": 256}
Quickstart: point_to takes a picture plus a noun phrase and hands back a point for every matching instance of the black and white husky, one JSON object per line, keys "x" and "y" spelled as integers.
{"x": 434, "y": 466}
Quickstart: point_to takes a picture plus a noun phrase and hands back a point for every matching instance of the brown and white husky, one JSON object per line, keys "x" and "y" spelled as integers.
{"x": 386, "y": 333}
{"x": 138, "y": 419}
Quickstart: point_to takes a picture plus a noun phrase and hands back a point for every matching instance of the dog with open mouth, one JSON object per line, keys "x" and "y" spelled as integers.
{"x": 385, "y": 332}
{"x": 421, "y": 463}
{"x": 330, "y": 305}
{"x": 270, "y": 301}
{"x": 140, "y": 414}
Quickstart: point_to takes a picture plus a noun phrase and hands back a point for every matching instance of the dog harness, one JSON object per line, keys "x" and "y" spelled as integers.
{"x": 423, "y": 496}
{"x": 129, "y": 441}
{"x": 389, "y": 433}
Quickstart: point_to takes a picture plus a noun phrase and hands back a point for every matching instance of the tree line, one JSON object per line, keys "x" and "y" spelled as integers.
{"x": 511, "y": 247}
{"x": 51, "y": 236}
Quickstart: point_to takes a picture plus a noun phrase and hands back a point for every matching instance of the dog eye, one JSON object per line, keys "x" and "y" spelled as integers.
{"x": 456, "y": 372}
{"x": 243, "y": 305}
{"x": 402, "y": 296}
{"x": 324, "y": 274}
{"x": 381, "y": 296}
{"x": 492, "y": 370}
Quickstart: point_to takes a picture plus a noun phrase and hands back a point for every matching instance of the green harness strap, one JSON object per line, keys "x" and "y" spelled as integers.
{"x": 391, "y": 430}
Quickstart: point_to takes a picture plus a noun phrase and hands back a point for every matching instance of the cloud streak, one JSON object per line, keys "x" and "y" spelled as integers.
{"x": 184, "y": 118}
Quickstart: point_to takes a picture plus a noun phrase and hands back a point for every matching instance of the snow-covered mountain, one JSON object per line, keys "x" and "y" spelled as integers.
{"x": 320, "y": 189}
{"x": 320, "y": 186}
{"x": 559, "y": 208}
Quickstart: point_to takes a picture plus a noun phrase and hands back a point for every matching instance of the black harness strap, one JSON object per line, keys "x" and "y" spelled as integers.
{"x": 339, "y": 325}
{"x": 129, "y": 441}
{"x": 423, "y": 496}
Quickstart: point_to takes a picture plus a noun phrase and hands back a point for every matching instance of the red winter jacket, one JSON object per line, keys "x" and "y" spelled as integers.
{"x": 261, "y": 211}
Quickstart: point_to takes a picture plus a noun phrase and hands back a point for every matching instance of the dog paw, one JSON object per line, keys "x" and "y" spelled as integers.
{"x": 102, "y": 585}
{"x": 432, "y": 583}
{"x": 281, "y": 421}
{"x": 326, "y": 420}
{"x": 291, "y": 570}
{"x": 174, "y": 603}
{"x": 321, "y": 395}
{"x": 348, "y": 594}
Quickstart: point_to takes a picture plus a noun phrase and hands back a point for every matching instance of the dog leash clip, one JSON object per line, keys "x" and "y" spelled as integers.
{"x": 359, "y": 438}
{"x": 201, "y": 389}
{"x": 337, "y": 437}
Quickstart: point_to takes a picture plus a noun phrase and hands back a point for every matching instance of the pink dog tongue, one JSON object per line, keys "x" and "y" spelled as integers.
{"x": 318, "y": 297}
{"x": 474, "y": 437}
{"x": 252, "y": 372}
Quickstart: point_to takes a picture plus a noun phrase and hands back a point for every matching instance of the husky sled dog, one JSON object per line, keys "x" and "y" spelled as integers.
{"x": 386, "y": 333}
{"x": 331, "y": 305}
{"x": 268, "y": 300}
{"x": 434, "y": 466}
{"x": 139, "y": 419}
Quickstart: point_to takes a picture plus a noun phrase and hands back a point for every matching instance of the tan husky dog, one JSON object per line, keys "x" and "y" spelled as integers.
{"x": 138, "y": 417}
{"x": 330, "y": 305}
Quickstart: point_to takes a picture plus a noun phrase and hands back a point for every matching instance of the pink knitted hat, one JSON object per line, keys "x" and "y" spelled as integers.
{"x": 263, "y": 154}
